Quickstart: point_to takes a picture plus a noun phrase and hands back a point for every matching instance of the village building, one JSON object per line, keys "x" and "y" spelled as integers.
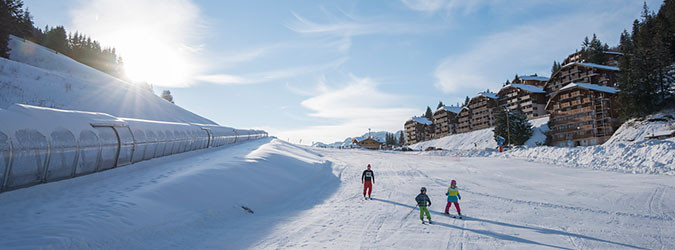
{"x": 445, "y": 120}
{"x": 574, "y": 69}
{"x": 582, "y": 114}
{"x": 529, "y": 99}
{"x": 372, "y": 143}
{"x": 464, "y": 120}
{"x": 533, "y": 80}
{"x": 418, "y": 129}
{"x": 483, "y": 107}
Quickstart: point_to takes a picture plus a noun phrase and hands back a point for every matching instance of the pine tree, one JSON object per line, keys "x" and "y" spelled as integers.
{"x": 440, "y": 104}
{"x": 428, "y": 114}
{"x": 519, "y": 128}
{"x": 555, "y": 68}
{"x": 516, "y": 79}
{"x": 466, "y": 101}
{"x": 166, "y": 94}
{"x": 401, "y": 139}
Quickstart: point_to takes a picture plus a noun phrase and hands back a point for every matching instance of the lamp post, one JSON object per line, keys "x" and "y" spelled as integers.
{"x": 508, "y": 129}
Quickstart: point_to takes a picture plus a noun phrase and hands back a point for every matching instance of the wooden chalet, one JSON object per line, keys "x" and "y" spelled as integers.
{"x": 417, "y": 129}
{"x": 445, "y": 120}
{"x": 582, "y": 114}
{"x": 529, "y": 99}
{"x": 372, "y": 143}
{"x": 464, "y": 120}
{"x": 483, "y": 107}
{"x": 533, "y": 80}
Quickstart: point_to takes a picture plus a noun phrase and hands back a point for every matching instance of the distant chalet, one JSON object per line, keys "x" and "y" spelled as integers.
{"x": 372, "y": 143}
{"x": 417, "y": 129}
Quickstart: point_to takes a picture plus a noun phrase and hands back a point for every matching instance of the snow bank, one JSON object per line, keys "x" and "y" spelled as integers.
{"x": 627, "y": 151}
{"x": 483, "y": 139}
{"x": 39, "y": 76}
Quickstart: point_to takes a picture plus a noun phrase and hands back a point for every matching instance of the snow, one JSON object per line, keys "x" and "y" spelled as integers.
{"x": 627, "y": 150}
{"x": 593, "y": 65}
{"x": 422, "y": 120}
{"x": 38, "y": 76}
{"x": 452, "y": 109}
{"x": 488, "y": 95}
{"x": 591, "y": 87}
{"x": 533, "y": 78}
{"x": 310, "y": 198}
{"x": 528, "y": 88}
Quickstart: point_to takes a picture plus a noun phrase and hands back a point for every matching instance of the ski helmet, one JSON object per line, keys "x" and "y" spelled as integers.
{"x": 423, "y": 189}
{"x": 453, "y": 182}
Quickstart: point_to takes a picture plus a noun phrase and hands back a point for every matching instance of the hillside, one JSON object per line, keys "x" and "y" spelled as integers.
{"x": 38, "y": 76}
{"x": 627, "y": 151}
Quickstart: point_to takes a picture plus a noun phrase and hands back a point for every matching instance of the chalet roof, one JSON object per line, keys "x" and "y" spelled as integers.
{"x": 528, "y": 88}
{"x": 591, "y": 87}
{"x": 593, "y": 65}
{"x": 533, "y": 78}
{"x": 374, "y": 138}
{"x": 452, "y": 109}
{"x": 613, "y": 53}
{"x": 422, "y": 120}
{"x": 588, "y": 86}
{"x": 486, "y": 94}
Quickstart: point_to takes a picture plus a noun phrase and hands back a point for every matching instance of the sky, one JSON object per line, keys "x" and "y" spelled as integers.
{"x": 310, "y": 71}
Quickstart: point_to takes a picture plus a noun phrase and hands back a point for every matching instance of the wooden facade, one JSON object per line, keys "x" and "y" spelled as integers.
{"x": 483, "y": 107}
{"x": 445, "y": 121}
{"x": 581, "y": 73}
{"x": 582, "y": 115}
{"x": 369, "y": 143}
{"x": 464, "y": 120}
{"x": 531, "y": 100}
{"x": 418, "y": 129}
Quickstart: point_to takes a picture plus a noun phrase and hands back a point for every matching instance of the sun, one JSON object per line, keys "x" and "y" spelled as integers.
{"x": 155, "y": 62}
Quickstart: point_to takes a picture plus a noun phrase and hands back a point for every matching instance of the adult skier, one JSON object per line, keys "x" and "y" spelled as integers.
{"x": 367, "y": 178}
{"x": 453, "y": 197}
{"x": 423, "y": 202}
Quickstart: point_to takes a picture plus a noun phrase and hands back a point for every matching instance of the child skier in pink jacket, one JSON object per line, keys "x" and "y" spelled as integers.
{"x": 453, "y": 197}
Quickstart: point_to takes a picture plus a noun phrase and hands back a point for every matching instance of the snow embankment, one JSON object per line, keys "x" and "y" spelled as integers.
{"x": 38, "y": 76}
{"x": 627, "y": 151}
{"x": 170, "y": 202}
{"x": 483, "y": 139}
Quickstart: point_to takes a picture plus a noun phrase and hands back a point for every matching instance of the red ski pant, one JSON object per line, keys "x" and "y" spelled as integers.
{"x": 367, "y": 185}
{"x": 447, "y": 207}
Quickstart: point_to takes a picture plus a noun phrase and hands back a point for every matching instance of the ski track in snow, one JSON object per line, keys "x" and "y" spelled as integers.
{"x": 309, "y": 198}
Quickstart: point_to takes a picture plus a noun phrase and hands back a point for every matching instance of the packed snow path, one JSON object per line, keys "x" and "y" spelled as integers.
{"x": 312, "y": 198}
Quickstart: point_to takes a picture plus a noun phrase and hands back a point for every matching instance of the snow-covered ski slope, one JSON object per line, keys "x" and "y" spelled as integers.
{"x": 310, "y": 198}
{"x": 38, "y": 76}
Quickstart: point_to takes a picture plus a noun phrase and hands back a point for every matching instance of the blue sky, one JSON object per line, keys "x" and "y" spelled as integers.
{"x": 327, "y": 70}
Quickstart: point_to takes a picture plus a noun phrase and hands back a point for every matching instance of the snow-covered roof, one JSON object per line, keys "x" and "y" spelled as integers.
{"x": 533, "y": 78}
{"x": 591, "y": 87}
{"x": 613, "y": 53}
{"x": 487, "y": 94}
{"x": 529, "y": 88}
{"x": 422, "y": 120}
{"x": 593, "y": 65}
{"x": 453, "y": 109}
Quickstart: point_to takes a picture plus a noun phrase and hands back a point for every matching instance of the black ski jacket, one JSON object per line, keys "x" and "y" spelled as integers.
{"x": 368, "y": 175}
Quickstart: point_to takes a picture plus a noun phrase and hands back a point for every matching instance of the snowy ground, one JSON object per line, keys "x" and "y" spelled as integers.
{"x": 311, "y": 198}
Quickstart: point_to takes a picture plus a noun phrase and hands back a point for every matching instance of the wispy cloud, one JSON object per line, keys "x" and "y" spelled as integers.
{"x": 343, "y": 28}
{"x": 268, "y": 76}
{"x": 355, "y": 107}
{"x": 524, "y": 49}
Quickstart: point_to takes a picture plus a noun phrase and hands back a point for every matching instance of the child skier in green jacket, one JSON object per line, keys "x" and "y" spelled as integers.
{"x": 423, "y": 201}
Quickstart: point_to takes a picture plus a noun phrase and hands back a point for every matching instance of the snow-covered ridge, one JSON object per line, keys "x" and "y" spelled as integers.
{"x": 628, "y": 150}
{"x": 38, "y": 76}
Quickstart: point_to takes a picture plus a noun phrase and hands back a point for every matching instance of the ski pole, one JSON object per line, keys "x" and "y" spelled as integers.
{"x": 413, "y": 209}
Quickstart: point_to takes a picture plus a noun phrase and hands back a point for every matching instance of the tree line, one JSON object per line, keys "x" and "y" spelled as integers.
{"x": 14, "y": 20}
